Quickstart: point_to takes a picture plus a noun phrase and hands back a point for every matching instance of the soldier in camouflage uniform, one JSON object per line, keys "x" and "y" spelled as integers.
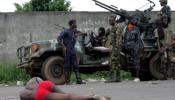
{"x": 166, "y": 10}
{"x": 116, "y": 38}
{"x": 163, "y": 31}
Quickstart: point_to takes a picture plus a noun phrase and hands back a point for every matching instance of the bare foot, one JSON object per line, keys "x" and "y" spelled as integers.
{"x": 101, "y": 97}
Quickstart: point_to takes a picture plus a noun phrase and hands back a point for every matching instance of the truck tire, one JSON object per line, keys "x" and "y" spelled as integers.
{"x": 52, "y": 70}
{"x": 156, "y": 69}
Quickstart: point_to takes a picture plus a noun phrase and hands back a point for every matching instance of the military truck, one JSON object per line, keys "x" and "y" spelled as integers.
{"x": 46, "y": 59}
{"x": 155, "y": 63}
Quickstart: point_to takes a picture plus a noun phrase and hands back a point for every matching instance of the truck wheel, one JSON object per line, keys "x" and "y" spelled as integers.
{"x": 52, "y": 70}
{"x": 157, "y": 68}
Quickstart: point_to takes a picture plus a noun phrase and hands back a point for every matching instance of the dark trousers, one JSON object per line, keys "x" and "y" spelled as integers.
{"x": 134, "y": 53}
{"x": 70, "y": 62}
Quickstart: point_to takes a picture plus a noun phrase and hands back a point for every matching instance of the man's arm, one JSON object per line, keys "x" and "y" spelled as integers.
{"x": 61, "y": 36}
{"x": 107, "y": 32}
{"x": 78, "y": 33}
{"x": 60, "y": 40}
{"x": 26, "y": 95}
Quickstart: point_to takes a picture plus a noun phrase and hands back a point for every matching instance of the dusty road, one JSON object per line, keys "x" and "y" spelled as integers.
{"x": 127, "y": 90}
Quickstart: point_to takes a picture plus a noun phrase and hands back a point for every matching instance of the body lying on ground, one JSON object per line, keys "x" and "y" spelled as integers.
{"x": 37, "y": 89}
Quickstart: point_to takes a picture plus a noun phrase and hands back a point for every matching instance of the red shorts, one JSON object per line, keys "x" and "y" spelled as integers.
{"x": 44, "y": 88}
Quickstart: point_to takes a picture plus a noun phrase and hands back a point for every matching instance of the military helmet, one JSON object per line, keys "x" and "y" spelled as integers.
{"x": 164, "y": 1}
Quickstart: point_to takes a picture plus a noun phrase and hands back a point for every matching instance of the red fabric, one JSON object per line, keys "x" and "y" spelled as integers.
{"x": 130, "y": 26}
{"x": 44, "y": 88}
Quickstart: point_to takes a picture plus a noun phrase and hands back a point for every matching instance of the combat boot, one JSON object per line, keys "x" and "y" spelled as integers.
{"x": 117, "y": 78}
{"x": 114, "y": 77}
{"x": 67, "y": 75}
{"x": 79, "y": 80}
{"x": 110, "y": 76}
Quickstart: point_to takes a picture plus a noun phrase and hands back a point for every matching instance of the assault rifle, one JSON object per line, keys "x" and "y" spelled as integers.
{"x": 57, "y": 26}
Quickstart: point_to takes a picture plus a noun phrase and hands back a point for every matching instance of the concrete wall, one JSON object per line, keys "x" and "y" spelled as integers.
{"x": 17, "y": 29}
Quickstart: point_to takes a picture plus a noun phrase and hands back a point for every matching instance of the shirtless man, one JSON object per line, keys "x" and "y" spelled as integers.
{"x": 37, "y": 89}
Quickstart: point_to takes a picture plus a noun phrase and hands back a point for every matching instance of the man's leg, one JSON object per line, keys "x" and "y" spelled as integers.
{"x": 136, "y": 65}
{"x": 67, "y": 69}
{"x": 117, "y": 67}
{"x": 118, "y": 77}
{"x": 114, "y": 71}
{"x": 111, "y": 70}
{"x": 137, "y": 61}
{"x": 58, "y": 96}
{"x": 76, "y": 68}
{"x": 67, "y": 74}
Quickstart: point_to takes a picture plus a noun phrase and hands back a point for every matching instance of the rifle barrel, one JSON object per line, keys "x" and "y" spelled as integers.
{"x": 98, "y": 2}
{"x": 114, "y": 6}
{"x": 110, "y": 8}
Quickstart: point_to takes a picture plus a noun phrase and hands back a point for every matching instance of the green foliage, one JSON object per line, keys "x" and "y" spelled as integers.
{"x": 60, "y": 5}
{"x": 23, "y": 8}
{"x": 44, "y": 5}
{"x": 126, "y": 75}
{"x": 100, "y": 75}
{"x": 10, "y": 74}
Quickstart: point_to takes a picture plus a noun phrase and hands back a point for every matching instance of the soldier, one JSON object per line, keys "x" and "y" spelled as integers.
{"x": 166, "y": 10}
{"x": 163, "y": 20}
{"x": 68, "y": 37}
{"x": 99, "y": 40}
{"x": 163, "y": 32}
{"x": 101, "y": 36}
{"x": 116, "y": 37}
{"x": 132, "y": 45}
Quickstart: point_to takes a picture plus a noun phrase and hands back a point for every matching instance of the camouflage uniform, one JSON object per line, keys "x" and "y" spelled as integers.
{"x": 163, "y": 32}
{"x": 115, "y": 42}
{"x": 165, "y": 19}
{"x": 166, "y": 10}
{"x": 108, "y": 38}
{"x": 167, "y": 36}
